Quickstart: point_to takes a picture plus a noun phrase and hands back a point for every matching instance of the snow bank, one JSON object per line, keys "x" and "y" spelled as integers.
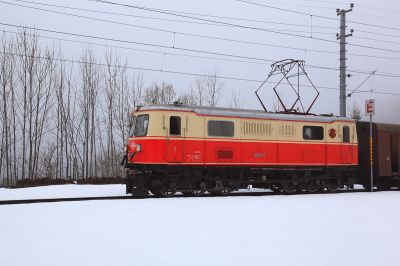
{"x": 331, "y": 229}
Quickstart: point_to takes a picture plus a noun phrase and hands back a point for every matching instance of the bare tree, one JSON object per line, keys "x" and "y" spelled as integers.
{"x": 90, "y": 81}
{"x": 187, "y": 99}
{"x": 7, "y": 111}
{"x": 35, "y": 68}
{"x": 197, "y": 93}
{"x": 159, "y": 94}
{"x": 355, "y": 112}
{"x": 214, "y": 88}
{"x": 206, "y": 90}
{"x": 117, "y": 98}
{"x": 236, "y": 101}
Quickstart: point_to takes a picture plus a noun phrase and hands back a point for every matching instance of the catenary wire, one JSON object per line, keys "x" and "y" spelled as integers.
{"x": 314, "y": 15}
{"x": 144, "y": 27}
{"x": 173, "y": 20}
{"x": 248, "y": 27}
{"x": 162, "y": 52}
{"x": 179, "y": 72}
{"x": 216, "y": 21}
{"x": 190, "y": 50}
{"x": 157, "y": 29}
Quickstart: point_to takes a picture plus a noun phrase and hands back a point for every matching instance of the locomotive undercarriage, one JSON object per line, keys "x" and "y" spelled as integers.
{"x": 163, "y": 180}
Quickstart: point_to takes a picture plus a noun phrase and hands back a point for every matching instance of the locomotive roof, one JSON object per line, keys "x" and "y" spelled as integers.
{"x": 245, "y": 113}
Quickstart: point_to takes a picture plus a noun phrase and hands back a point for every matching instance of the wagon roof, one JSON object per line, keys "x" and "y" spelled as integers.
{"x": 388, "y": 127}
{"x": 245, "y": 113}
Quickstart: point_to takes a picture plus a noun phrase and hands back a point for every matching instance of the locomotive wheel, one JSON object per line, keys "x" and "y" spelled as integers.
{"x": 200, "y": 190}
{"x": 302, "y": 186}
{"x": 288, "y": 187}
{"x": 156, "y": 192}
{"x": 331, "y": 186}
{"x": 312, "y": 187}
{"x": 169, "y": 191}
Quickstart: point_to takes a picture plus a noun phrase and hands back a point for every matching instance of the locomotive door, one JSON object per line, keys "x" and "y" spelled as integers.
{"x": 347, "y": 147}
{"x": 175, "y": 139}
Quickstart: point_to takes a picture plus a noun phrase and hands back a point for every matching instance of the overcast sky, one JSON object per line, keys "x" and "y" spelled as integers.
{"x": 276, "y": 46}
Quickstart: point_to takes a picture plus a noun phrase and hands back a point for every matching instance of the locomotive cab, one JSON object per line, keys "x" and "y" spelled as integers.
{"x": 139, "y": 127}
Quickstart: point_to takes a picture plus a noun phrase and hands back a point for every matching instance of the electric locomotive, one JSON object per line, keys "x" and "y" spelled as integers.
{"x": 192, "y": 150}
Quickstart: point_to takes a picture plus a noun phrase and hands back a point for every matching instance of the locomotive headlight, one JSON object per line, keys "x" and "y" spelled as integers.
{"x": 138, "y": 147}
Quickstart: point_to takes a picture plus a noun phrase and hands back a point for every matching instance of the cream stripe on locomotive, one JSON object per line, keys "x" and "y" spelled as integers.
{"x": 196, "y": 126}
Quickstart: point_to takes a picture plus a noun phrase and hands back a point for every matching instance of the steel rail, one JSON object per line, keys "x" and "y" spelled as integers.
{"x": 234, "y": 194}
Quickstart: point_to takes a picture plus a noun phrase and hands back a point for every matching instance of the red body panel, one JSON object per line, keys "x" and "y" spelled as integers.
{"x": 161, "y": 150}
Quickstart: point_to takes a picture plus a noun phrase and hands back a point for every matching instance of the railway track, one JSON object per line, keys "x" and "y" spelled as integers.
{"x": 28, "y": 201}
{"x": 235, "y": 194}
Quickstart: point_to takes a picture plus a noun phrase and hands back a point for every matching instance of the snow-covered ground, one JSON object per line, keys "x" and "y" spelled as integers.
{"x": 72, "y": 191}
{"x": 329, "y": 229}
{"x": 62, "y": 191}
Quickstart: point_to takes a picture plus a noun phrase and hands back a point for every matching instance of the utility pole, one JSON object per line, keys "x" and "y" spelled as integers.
{"x": 342, "y": 37}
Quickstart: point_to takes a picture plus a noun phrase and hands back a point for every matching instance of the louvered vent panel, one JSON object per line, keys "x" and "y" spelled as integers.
{"x": 225, "y": 154}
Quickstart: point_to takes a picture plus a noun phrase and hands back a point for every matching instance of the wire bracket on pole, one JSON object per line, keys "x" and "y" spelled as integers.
{"x": 289, "y": 69}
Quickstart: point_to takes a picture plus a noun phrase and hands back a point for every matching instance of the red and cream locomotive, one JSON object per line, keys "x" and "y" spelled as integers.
{"x": 197, "y": 149}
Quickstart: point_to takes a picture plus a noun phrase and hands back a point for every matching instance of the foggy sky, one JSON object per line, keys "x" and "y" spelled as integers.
{"x": 387, "y": 106}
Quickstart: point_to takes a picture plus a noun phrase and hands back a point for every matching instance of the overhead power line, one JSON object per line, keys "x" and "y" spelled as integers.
{"x": 286, "y": 10}
{"x": 173, "y": 47}
{"x": 148, "y": 69}
{"x": 175, "y": 20}
{"x": 314, "y": 15}
{"x": 143, "y": 50}
{"x": 376, "y": 40}
{"x": 246, "y": 27}
{"x": 256, "y": 62}
{"x": 198, "y": 35}
{"x": 178, "y": 72}
{"x": 216, "y": 21}
{"x": 378, "y": 33}
{"x": 135, "y": 25}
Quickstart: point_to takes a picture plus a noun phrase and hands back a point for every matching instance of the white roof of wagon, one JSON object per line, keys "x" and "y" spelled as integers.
{"x": 245, "y": 113}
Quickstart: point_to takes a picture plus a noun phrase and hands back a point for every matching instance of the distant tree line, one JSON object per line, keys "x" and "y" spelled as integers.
{"x": 68, "y": 118}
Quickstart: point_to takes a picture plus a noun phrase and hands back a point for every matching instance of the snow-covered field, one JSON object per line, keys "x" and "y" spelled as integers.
{"x": 330, "y": 229}
{"x": 62, "y": 191}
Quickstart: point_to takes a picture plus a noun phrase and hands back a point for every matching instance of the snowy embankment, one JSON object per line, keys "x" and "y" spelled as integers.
{"x": 328, "y": 229}
{"x": 62, "y": 191}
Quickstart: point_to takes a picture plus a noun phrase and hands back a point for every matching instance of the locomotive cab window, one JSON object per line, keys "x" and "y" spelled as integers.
{"x": 221, "y": 128}
{"x": 346, "y": 134}
{"x": 132, "y": 122}
{"x": 175, "y": 125}
{"x": 313, "y": 133}
{"x": 141, "y": 125}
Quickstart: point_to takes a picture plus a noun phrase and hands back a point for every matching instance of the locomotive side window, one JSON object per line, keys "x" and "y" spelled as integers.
{"x": 141, "y": 125}
{"x": 221, "y": 128}
{"x": 346, "y": 134}
{"x": 175, "y": 125}
{"x": 313, "y": 133}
